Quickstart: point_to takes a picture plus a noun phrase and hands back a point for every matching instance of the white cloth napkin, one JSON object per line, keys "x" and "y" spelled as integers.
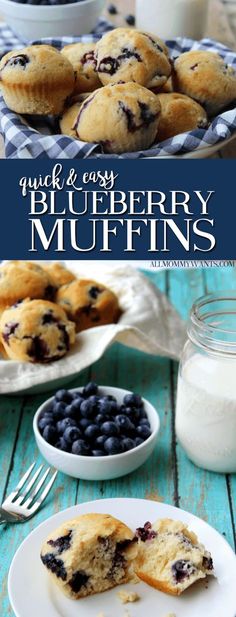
{"x": 148, "y": 323}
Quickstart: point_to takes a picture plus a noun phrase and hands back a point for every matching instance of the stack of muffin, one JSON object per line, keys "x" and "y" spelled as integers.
{"x": 42, "y": 308}
{"x": 124, "y": 92}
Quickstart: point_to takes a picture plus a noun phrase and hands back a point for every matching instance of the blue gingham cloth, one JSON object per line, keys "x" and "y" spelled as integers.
{"x": 38, "y": 137}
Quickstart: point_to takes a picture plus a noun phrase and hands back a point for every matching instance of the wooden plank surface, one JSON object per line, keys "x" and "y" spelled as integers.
{"x": 168, "y": 476}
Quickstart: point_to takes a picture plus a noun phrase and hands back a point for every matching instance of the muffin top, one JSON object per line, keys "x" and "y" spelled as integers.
{"x": 125, "y": 107}
{"x": 129, "y": 55}
{"x": 36, "y": 64}
{"x": 22, "y": 279}
{"x": 179, "y": 113}
{"x": 204, "y": 76}
{"x": 82, "y": 58}
{"x": 36, "y": 331}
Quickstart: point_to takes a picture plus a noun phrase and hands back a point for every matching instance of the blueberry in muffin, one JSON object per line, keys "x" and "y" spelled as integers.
{"x": 36, "y": 331}
{"x": 126, "y": 54}
{"x": 82, "y": 58}
{"x": 89, "y": 554}
{"x": 88, "y": 304}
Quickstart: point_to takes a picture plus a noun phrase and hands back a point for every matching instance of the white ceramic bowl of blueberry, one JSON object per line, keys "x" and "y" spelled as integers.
{"x": 35, "y": 19}
{"x": 96, "y": 434}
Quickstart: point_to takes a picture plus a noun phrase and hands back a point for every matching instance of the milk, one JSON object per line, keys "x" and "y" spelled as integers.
{"x": 206, "y": 412}
{"x": 172, "y": 18}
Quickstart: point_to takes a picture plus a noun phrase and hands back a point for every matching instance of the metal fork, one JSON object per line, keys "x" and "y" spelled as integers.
{"x": 20, "y": 505}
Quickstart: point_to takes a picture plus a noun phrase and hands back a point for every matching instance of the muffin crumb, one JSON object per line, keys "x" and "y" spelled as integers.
{"x": 126, "y": 597}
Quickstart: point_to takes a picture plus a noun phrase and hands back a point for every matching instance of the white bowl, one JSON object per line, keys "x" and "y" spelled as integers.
{"x": 104, "y": 467}
{"x": 34, "y": 22}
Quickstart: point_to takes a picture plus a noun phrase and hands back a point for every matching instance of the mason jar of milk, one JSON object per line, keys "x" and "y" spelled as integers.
{"x": 171, "y": 18}
{"x": 206, "y": 395}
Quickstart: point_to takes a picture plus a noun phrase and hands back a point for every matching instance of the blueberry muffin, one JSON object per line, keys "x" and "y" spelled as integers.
{"x": 179, "y": 114}
{"x": 68, "y": 120}
{"x": 89, "y": 554}
{"x": 205, "y": 77}
{"x": 120, "y": 117}
{"x": 82, "y": 58}
{"x": 36, "y": 331}
{"x": 129, "y": 55}
{"x": 88, "y": 304}
{"x": 170, "y": 557}
{"x": 36, "y": 80}
{"x": 58, "y": 274}
{"x": 23, "y": 279}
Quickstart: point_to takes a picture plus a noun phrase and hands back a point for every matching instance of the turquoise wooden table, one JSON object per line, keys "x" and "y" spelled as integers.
{"x": 168, "y": 476}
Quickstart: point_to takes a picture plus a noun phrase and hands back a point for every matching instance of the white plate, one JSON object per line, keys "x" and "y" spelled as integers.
{"x": 33, "y": 593}
{"x": 199, "y": 153}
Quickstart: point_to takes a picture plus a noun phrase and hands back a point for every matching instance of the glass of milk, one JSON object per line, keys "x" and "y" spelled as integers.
{"x": 206, "y": 395}
{"x": 171, "y": 18}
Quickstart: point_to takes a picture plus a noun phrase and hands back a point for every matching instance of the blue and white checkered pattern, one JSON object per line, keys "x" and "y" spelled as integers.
{"x": 38, "y": 137}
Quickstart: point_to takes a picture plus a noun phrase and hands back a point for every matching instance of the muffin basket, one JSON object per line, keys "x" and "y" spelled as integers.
{"x": 38, "y": 137}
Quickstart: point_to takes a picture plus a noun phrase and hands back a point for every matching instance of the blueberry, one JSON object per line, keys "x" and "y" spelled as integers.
{"x": 63, "y": 424}
{"x": 59, "y": 409}
{"x": 94, "y": 399}
{"x": 133, "y": 400}
{"x": 138, "y": 441}
{"x": 109, "y": 428}
{"x": 45, "y": 421}
{"x": 143, "y": 431}
{"x": 99, "y": 441}
{"x": 98, "y": 453}
{"x": 91, "y": 432}
{"x": 87, "y": 409}
{"x": 100, "y": 418}
{"x": 84, "y": 423}
{"x": 90, "y": 389}
{"x": 63, "y": 395}
{"x": 130, "y": 19}
{"x": 63, "y": 445}
{"x": 80, "y": 447}
{"x": 128, "y": 444}
{"x": 106, "y": 406}
{"x": 112, "y": 9}
{"x": 76, "y": 403}
{"x": 130, "y": 412}
{"x": 113, "y": 445}
{"x": 144, "y": 422}
{"x": 124, "y": 424}
{"x": 71, "y": 434}
{"x": 50, "y": 434}
{"x": 182, "y": 569}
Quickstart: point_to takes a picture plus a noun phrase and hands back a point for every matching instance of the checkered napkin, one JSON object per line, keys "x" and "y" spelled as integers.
{"x": 38, "y": 137}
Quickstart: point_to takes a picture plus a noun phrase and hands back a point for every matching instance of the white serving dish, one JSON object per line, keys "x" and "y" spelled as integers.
{"x": 34, "y": 22}
{"x": 104, "y": 467}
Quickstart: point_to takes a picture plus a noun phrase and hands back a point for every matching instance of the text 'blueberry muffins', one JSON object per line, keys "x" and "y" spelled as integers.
{"x": 88, "y": 304}
{"x": 82, "y": 58}
{"x": 170, "y": 557}
{"x": 36, "y": 80}
{"x": 205, "y": 77}
{"x": 36, "y": 331}
{"x": 23, "y": 279}
{"x": 89, "y": 554}
{"x": 179, "y": 113}
{"x": 120, "y": 117}
{"x": 129, "y": 55}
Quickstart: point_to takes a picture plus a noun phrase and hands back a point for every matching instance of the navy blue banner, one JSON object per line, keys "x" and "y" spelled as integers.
{"x": 141, "y": 210}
